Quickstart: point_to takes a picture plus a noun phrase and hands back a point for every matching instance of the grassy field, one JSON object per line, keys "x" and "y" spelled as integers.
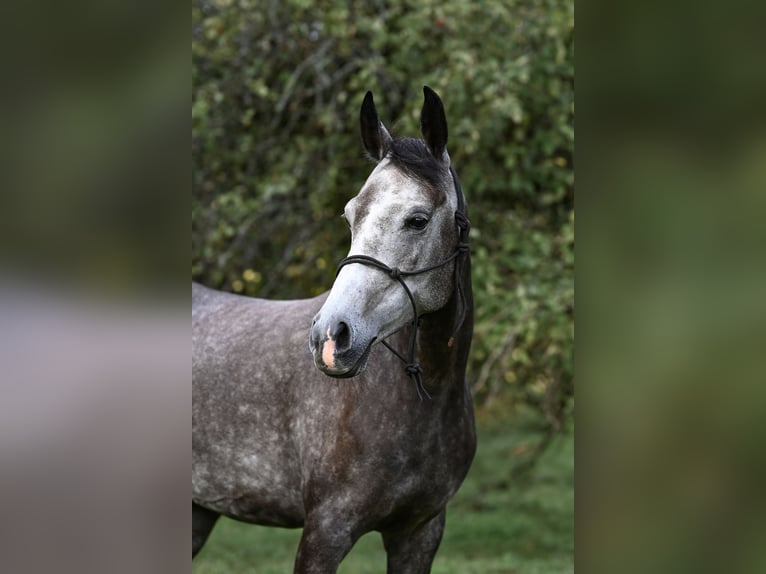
{"x": 495, "y": 524}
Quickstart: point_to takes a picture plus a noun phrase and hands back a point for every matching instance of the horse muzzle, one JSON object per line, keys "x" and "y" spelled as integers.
{"x": 339, "y": 350}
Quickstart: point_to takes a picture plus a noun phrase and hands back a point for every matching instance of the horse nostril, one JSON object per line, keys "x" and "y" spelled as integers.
{"x": 342, "y": 337}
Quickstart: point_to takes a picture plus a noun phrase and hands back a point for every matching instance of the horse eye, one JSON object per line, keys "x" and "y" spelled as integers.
{"x": 417, "y": 222}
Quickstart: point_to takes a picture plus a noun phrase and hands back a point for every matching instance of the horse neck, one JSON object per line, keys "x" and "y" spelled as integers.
{"x": 442, "y": 354}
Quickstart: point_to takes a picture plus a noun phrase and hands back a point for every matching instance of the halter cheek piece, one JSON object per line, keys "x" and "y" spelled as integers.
{"x": 412, "y": 368}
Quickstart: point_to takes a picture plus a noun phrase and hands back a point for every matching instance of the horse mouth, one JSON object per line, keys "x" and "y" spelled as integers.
{"x": 355, "y": 369}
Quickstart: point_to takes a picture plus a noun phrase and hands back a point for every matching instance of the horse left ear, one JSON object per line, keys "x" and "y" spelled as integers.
{"x": 375, "y": 136}
{"x": 433, "y": 123}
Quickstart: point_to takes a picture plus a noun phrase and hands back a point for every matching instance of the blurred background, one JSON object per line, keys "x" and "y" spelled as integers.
{"x": 276, "y": 151}
{"x": 670, "y": 263}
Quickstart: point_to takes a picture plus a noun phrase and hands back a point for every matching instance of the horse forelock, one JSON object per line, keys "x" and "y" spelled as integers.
{"x": 411, "y": 156}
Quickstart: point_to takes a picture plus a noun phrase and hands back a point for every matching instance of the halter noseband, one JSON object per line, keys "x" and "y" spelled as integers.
{"x": 412, "y": 368}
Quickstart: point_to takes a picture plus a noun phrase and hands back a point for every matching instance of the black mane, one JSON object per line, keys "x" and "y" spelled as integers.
{"x": 413, "y": 157}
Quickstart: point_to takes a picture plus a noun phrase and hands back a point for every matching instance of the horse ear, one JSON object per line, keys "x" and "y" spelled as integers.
{"x": 433, "y": 123}
{"x": 375, "y": 136}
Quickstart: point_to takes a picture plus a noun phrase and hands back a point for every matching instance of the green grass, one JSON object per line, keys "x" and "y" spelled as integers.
{"x": 495, "y": 524}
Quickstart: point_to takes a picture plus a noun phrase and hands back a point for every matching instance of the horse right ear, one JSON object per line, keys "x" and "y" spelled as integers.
{"x": 375, "y": 136}
{"x": 433, "y": 123}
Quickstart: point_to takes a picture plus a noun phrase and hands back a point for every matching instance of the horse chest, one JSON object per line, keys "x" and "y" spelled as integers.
{"x": 386, "y": 468}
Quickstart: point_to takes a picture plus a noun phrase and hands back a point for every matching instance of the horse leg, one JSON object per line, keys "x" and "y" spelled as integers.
{"x": 412, "y": 551}
{"x": 324, "y": 543}
{"x": 203, "y": 521}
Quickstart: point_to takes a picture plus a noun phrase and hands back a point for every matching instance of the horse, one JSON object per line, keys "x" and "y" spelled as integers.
{"x": 279, "y": 439}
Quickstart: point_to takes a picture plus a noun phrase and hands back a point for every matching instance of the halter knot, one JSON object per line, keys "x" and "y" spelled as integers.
{"x": 462, "y": 221}
{"x": 463, "y": 247}
{"x": 413, "y": 369}
{"x": 395, "y": 273}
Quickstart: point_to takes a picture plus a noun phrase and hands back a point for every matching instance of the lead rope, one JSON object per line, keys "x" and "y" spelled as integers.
{"x": 411, "y": 366}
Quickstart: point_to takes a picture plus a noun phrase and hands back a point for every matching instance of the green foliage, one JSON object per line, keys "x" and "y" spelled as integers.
{"x": 276, "y": 90}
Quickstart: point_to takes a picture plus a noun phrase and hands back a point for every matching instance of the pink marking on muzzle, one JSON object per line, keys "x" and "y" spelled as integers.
{"x": 328, "y": 351}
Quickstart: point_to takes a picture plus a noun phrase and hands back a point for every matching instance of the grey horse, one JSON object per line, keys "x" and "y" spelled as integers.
{"x": 282, "y": 435}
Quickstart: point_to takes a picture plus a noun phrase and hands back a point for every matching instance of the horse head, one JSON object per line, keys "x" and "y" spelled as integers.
{"x": 408, "y": 230}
